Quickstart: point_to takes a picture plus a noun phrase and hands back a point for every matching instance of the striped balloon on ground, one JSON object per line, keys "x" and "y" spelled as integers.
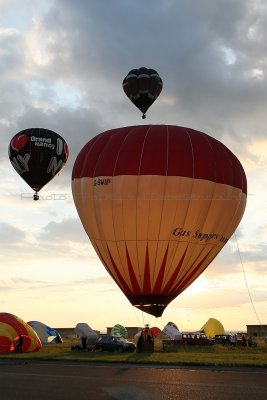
{"x": 45, "y": 333}
{"x": 11, "y": 327}
{"x": 158, "y": 203}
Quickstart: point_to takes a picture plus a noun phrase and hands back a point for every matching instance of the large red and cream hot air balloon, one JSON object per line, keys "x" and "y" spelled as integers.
{"x": 158, "y": 203}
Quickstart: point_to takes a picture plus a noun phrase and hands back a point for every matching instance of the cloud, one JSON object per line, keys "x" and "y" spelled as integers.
{"x": 68, "y": 230}
{"x": 11, "y": 235}
{"x": 192, "y": 62}
{"x": 218, "y": 298}
{"x": 19, "y": 283}
{"x": 64, "y": 241}
{"x": 67, "y": 74}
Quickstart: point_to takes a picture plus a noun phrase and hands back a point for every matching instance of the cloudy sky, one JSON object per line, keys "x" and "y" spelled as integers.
{"x": 61, "y": 67}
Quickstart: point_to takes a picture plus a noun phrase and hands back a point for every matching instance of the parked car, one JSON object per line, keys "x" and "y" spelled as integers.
{"x": 222, "y": 339}
{"x": 188, "y": 339}
{"x": 113, "y": 343}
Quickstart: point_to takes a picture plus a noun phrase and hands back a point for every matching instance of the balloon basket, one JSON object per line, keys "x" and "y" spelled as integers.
{"x": 147, "y": 347}
{"x": 35, "y": 196}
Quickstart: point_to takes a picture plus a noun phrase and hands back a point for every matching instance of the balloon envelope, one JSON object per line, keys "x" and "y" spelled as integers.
{"x": 154, "y": 331}
{"x": 45, "y": 333}
{"x": 37, "y": 155}
{"x": 83, "y": 329}
{"x": 212, "y": 327}
{"x": 119, "y": 330}
{"x": 11, "y": 327}
{"x": 142, "y": 86}
{"x": 172, "y": 331}
{"x": 158, "y": 204}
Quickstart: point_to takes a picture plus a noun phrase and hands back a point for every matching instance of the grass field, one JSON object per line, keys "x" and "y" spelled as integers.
{"x": 215, "y": 355}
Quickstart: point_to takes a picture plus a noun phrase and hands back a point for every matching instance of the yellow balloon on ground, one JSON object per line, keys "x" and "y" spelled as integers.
{"x": 212, "y": 327}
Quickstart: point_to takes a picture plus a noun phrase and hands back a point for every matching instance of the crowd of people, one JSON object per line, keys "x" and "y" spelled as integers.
{"x": 244, "y": 341}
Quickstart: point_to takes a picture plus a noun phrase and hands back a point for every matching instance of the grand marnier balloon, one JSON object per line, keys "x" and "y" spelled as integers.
{"x": 158, "y": 203}
{"x": 142, "y": 86}
{"x": 37, "y": 155}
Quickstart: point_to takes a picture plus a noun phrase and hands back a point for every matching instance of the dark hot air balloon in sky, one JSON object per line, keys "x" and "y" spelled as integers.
{"x": 37, "y": 155}
{"x": 142, "y": 86}
{"x": 158, "y": 203}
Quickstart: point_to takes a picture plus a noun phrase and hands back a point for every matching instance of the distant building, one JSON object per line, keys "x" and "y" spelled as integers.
{"x": 257, "y": 330}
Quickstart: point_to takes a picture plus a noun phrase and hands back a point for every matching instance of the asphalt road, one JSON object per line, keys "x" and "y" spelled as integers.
{"x": 22, "y": 380}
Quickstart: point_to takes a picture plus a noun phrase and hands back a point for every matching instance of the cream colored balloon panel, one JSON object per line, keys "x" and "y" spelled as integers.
{"x": 200, "y": 225}
{"x": 124, "y": 190}
{"x": 152, "y": 217}
{"x": 196, "y": 207}
{"x": 225, "y": 209}
{"x": 115, "y": 258}
{"x": 103, "y": 207}
{"x": 117, "y": 200}
{"x": 191, "y": 208}
{"x": 172, "y": 202}
{"x": 174, "y": 205}
{"x": 86, "y": 203}
{"x": 240, "y": 208}
{"x": 158, "y": 257}
{"x": 81, "y": 199}
{"x": 178, "y": 208}
{"x": 143, "y": 207}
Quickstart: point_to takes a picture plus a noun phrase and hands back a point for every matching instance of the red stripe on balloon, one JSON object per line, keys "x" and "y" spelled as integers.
{"x": 135, "y": 285}
{"x": 14, "y": 322}
{"x": 27, "y": 341}
{"x": 180, "y": 287}
{"x": 5, "y": 344}
{"x": 169, "y": 284}
{"x": 119, "y": 279}
{"x": 159, "y": 281}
